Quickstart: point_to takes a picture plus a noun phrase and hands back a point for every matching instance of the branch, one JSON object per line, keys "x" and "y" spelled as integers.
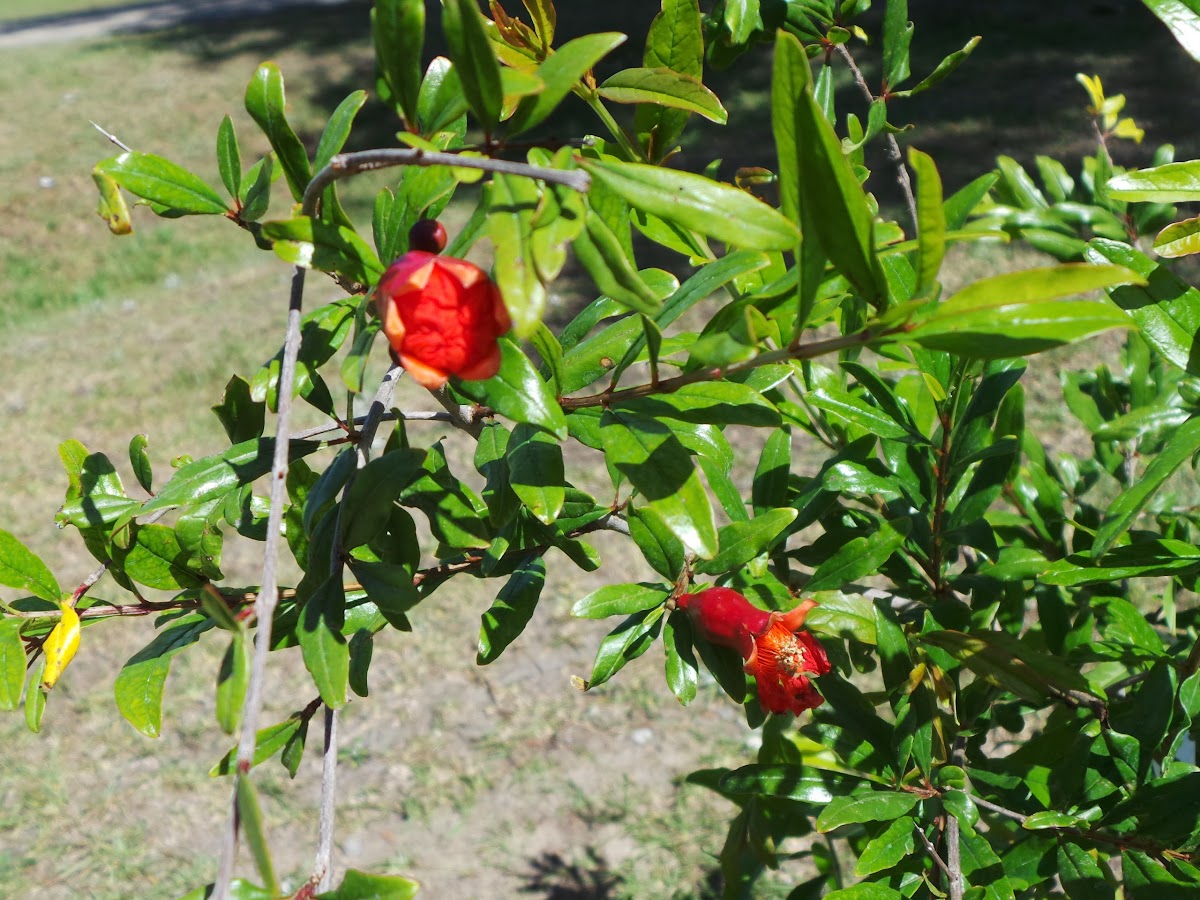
{"x": 893, "y": 146}
{"x": 346, "y": 164}
{"x": 391, "y": 416}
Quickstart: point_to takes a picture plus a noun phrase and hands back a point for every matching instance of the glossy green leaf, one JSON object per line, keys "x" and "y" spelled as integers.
{"x": 139, "y": 461}
{"x": 21, "y": 569}
{"x": 857, "y": 411}
{"x": 1179, "y": 239}
{"x": 1183, "y": 18}
{"x": 441, "y": 100}
{"x": 214, "y": 476}
{"x": 842, "y": 615}
{"x": 512, "y": 609}
{"x": 931, "y": 217}
{"x": 625, "y": 643}
{"x": 163, "y": 182}
{"x": 740, "y": 542}
{"x": 897, "y": 36}
{"x": 518, "y": 393}
{"x": 315, "y": 244}
{"x": 675, "y": 41}
{"x": 474, "y": 60}
{"x": 251, "y": 820}
{"x": 1166, "y": 309}
{"x": 358, "y": 885}
{"x": 873, "y": 806}
{"x": 256, "y": 190}
{"x": 1182, "y": 444}
{"x": 985, "y": 656}
{"x": 454, "y": 511}
{"x": 512, "y": 202}
{"x": 1173, "y": 183}
{"x": 681, "y": 669}
{"x": 12, "y": 663}
{"x": 698, "y": 203}
{"x": 326, "y": 654}
{"x": 619, "y": 600}
{"x": 156, "y": 559}
{"x": 368, "y": 504}
{"x": 232, "y": 679}
{"x": 337, "y": 129}
{"x": 599, "y": 250}
{"x": 826, "y": 183}
{"x": 536, "y": 471}
{"x": 267, "y": 105}
{"x": 664, "y": 87}
{"x": 887, "y": 848}
{"x": 35, "y": 698}
{"x": 647, "y": 453}
{"x": 561, "y": 72}
{"x": 239, "y": 889}
{"x": 865, "y": 891}
{"x": 860, "y": 556}
{"x": 803, "y": 785}
{"x": 398, "y": 29}
{"x": 139, "y": 685}
{"x": 229, "y": 158}
{"x": 942, "y": 69}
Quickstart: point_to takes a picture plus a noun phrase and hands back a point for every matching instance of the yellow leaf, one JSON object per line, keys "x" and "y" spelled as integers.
{"x": 1127, "y": 128}
{"x": 61, "y": 644}
{"x": 1091, "y": 84}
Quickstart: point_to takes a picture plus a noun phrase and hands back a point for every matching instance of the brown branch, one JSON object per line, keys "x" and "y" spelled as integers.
{"x": 895, "y": 156}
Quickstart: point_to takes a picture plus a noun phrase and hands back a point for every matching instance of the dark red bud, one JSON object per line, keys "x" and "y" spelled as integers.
{"x": 428, "y": 235}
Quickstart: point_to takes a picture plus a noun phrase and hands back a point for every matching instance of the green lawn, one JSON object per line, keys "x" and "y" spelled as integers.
{"x": 12, "y": 10}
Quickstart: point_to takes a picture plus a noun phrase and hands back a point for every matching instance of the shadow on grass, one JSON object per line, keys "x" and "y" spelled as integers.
{"x": 554, "y": 878}
{"x": 1016, "y": 95}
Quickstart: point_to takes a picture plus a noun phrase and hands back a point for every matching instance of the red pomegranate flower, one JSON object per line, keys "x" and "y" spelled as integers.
{"x": 778, "y": 654}
{"x": 441, "y": 315}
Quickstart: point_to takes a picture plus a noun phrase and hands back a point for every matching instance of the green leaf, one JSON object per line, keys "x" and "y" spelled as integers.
{"x": 232, "y": 680}
{"x": 324, "y": 648}
{"x": 239, "y": 889}
{"x": 1036, "y": 285}
{"x": 874, "y": 806}
{"x": 887, "y": 848}
{"x": 156, "y": 559}
{"x": 647, "y": 453}
{"x": 897, "y": 36}
{"x": 368, "y": 504}
{"x": 860, "y": 556}
{"x": 1166, "y": 309}
{"x": 21, "y": 569}
{"x": 560, "y": 72}
{"x": 112, "y": 207}
{"x": 267, "y": 106}
{"x": 619, "y": 600}
{"x": 536, "y": 473}
{"x": 1183, "y": 18}
{"x": 256, "y": 189}
{"x": 518, "y": 393}
{"x": 35, "y": 699}
{"x": 12, "y": 663}
{"x": 842, "y": 615}
{"x": 398, "y": 29}
{"x": 599, "y": 250}
{"x": 214, "y": 476}
{"x": 441, "y": 100}
{"x": 513, "y": 608}
{"x": 664, "y": 87}
{"x": 865, "y": 891}
{"x": 474, "y": 60}
{"x": 1179, "y": 239}
{"x": 139, "y": 461}
{"x": 857, "y": 411}
{"x": 229, "y": 158}
{"x": 267, "y": 742}
{"x": 251, "y": 821}
{"x": 363, "y": 886}
{"x": 625, "y": 643}
{"x": 942, "y": 69}
{"x": 740, "y": 542}
{"x": 681, "y": 669}
{"x": 1124, "y": 510}
{"x": 826, "y": 184}
{"x": 139, "y": 685}
{"x": 675, "y": 41}
{"x": 931, "y": 216}
{"x": 337, "y": 129}
{"x": 786, "y": 782}
{"x": 697, "y": 203}
{"x": 1177, "y": 182}
{"x": 512, "y": 202}
{"x": 163, "y": 182}
{"x": 315, "y": 244}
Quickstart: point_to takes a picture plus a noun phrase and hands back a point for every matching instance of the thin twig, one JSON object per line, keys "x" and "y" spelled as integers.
{"x": 955, "y": 883}
{"x": 112, "y": 137}
{"x": 345, "y": 164}
{"x": 932, "y": 850}
{"x": 996, "y": 808}
{"x": 323, "y": 867}
{"x": 895, "y": 156}
{"x": 268, "y": 595}
{"x": 391, "y": 416}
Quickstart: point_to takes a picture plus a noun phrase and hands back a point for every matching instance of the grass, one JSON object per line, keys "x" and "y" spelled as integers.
{"x": 482, "y": 782}
{"x": 15, "y": 10}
